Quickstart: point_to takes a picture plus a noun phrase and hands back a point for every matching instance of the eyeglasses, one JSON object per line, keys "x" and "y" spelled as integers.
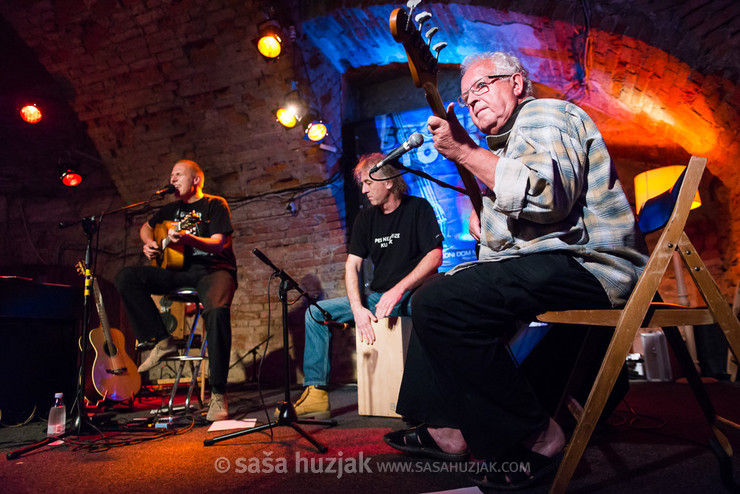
{"x": 480, "y": 87}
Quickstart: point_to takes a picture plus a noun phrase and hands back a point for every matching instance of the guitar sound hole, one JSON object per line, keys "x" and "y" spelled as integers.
{"x": 108, "y": 350}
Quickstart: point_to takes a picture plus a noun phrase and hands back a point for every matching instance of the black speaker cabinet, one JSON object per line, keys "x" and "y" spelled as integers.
{"x": 39, "y": 326}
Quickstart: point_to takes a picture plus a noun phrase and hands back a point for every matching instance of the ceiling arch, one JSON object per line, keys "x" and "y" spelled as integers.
{"x": 641, "y": 95}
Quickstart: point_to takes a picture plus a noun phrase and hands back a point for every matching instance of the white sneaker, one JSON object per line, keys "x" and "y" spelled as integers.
{"x": 218, "y": 409}
{"x": 164, "y": 348}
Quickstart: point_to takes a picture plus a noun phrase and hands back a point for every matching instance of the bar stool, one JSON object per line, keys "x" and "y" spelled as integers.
{"x": 187, "y": 295}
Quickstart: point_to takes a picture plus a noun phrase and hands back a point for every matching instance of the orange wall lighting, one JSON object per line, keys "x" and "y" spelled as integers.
{"x": 269, "y": 41}
{"x": 31, "y": 114}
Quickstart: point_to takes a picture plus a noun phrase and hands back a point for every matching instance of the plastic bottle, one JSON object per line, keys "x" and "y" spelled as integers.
{"x": 57, "y": 417}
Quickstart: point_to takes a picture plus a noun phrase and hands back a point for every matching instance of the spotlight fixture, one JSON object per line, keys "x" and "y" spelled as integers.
{"x": 68, "y": 172}
{"x": 269, "y": 40}
{"x": 292, "y": 110}
{"x": 286, "y": 118}
{"x": 314, "y": 129}
{"x": 31, "y": 113}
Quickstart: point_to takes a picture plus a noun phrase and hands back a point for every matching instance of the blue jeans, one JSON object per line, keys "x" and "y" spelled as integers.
{"x": 316, "y": 357}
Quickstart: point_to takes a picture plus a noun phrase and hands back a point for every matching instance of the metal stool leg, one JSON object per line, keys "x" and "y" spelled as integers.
{"x": 183, "y": 359}
{"x": 195, "y": 371}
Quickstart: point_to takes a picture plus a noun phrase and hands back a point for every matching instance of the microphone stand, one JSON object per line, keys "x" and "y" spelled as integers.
{"x": 286, "y": 415}
{"x": 90, "y": 226}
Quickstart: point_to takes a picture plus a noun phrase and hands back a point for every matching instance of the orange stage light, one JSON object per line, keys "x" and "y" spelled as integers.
{"x": 31, "y": 114}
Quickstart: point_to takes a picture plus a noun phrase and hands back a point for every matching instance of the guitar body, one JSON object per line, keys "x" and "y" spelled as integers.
{"x": 114, "y": 373}
{"x": 173, "y": 256}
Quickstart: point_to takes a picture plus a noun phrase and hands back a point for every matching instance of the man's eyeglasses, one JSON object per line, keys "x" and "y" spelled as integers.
{"x": 480, "y": 87}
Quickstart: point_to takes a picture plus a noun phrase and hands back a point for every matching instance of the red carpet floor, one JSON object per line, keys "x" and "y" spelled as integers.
{"x": 662, "y": 451}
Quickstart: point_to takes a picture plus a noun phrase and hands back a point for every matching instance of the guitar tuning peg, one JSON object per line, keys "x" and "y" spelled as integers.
{"x": 421, "y": 18}
{"x": 411, "y": 5}
{"x": 430, "y": 34}
{"x": 438, "y": 48}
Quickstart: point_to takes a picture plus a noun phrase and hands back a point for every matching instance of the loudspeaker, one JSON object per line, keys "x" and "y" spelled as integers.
{"x": 38, "y": 357}
{"x": 657, "y": 361}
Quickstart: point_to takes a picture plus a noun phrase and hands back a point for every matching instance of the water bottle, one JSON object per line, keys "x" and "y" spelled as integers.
{"x": 57, "y": 417}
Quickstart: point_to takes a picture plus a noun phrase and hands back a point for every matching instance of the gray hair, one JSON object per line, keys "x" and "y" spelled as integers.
{"x": 504, "y": 62}
{"x": 399, "y": 188}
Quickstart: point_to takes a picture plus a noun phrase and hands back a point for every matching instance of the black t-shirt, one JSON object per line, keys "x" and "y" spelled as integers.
{"x": 395, "y": 242}
{"x": 215, "y": 217}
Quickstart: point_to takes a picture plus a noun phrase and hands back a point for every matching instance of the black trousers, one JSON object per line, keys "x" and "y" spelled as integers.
{"x": 458, "y": 372}
{"x": 137, "y": 284}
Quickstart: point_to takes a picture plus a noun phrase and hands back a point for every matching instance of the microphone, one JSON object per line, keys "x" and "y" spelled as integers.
{"x": 414, "y": 141}
{"x": 166, "y": 190}
{"x": 336, "y": 325}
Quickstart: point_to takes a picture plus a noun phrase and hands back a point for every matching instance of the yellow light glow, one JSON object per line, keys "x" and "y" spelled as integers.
{"x": 31, "y": 114}
{"x": 286, "y": 117}
{"x": 656, "y": 181}
{"x": 316, "y": 131}
{"x": 269, "y": 45}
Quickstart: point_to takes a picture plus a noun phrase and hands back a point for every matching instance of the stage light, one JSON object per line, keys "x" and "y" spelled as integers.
{"x": 286, "y": 117}
{"x": 31, "y": 113}
{"x": 68, "y": 172}
{"x": 316, "y": 131}
{"x": 292, "y": 110}
{"x": 269, "y": 40}
{"x": 70, "y": 178}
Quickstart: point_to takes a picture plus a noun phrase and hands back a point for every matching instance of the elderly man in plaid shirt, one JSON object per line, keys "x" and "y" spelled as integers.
{"x": 556, "y": 232}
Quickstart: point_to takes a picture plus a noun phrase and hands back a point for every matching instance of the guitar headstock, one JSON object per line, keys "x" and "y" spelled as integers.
{"x": 422, "y": 62}
{"x": 189, "y": 221}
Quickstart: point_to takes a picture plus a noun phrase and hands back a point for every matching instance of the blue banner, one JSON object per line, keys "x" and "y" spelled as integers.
{"x": 452, "y": 208}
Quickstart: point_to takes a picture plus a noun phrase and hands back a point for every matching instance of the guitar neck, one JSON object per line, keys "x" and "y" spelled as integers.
{"x": 162, "y": 236}
{"x": 439, "y": 110}
{"x": 434, "y": 99}
{"x": 104, "y": 322}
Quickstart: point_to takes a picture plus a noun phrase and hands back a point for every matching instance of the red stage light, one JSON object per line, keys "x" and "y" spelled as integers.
{"x": 71, "y": 178}
{"x": 31, "y": 114}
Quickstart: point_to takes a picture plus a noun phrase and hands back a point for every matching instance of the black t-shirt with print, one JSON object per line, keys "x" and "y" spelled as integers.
{"x": 215, "y": 217}
{"x": 395, "y": 242}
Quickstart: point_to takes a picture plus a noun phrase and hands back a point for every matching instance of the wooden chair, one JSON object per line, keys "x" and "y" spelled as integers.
{"x": 642, "y": 311}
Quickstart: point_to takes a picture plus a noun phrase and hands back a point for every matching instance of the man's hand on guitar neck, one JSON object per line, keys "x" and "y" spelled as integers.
{"x": 450, "y": 137}
{"x": 176, "y": 236}
{"x": 454, "y": 143}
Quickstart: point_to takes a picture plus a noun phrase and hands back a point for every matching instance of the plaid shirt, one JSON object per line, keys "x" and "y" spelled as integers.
{"x": 556, "y": 189}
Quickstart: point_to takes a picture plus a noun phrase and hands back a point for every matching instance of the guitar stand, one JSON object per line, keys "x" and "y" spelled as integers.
{"x": 286, "y": 416}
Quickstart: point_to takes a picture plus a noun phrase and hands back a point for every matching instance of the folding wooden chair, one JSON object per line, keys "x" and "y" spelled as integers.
{"x": 670, "y": 212}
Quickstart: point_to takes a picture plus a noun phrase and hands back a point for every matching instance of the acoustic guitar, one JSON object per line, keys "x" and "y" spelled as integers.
{"x": 114, "y": 374}
{"x": 172, "y": 256}
{"x": 423, "y": 67}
